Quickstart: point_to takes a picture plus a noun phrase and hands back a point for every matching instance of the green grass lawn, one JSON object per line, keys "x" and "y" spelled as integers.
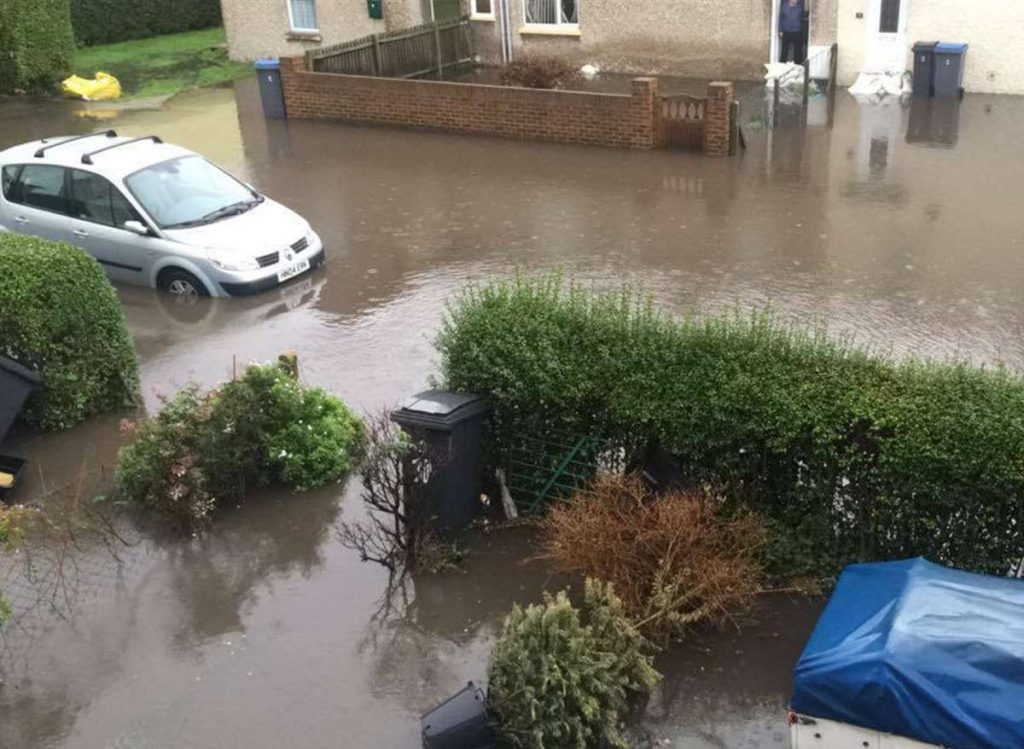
{"x": 163, "y": 65}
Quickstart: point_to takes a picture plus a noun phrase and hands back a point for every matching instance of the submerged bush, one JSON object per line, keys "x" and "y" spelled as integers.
{"x": 847, "y": 456}
{"x": 399, "y": 476}
{"x": 59, "y": 315}
{"x": 264, "y": 428}
{"x": 556, "y": 681}
{"x": 537, "y": 71}
{"x": 13, "y": 524}
{"x": 674, "y": 559}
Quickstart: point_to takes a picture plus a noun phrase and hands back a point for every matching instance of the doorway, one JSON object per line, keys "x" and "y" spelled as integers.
{"x": 775, "y": 44}
{"x": 885, "y": 47}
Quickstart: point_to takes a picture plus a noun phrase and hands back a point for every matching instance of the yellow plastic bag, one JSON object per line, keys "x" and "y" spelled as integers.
{"x": 104, "y": 86}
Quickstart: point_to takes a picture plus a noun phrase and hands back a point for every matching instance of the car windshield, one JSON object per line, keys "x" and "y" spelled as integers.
{"x": 189, "y": 191}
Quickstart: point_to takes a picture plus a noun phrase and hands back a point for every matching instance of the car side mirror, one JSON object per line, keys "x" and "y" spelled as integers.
{"x": 137, "y": 227}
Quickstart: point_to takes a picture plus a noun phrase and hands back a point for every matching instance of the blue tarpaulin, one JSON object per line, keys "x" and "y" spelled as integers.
{"x": 920, "y": 650}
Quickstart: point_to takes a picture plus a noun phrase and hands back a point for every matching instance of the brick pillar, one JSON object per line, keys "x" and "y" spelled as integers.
{"x": 647, "y": 110}
{"x": 291, "y": 68}
{"x": 717, "y": 113}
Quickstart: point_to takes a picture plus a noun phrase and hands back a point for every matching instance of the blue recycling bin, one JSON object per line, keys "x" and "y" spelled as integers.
{"x": 949, "y": 69}
{"x": 268, "y": 73}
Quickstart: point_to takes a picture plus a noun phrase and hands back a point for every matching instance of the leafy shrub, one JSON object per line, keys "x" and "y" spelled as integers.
{"x": 537, "y": 71}
{"x": 60, "y": 316}
{"x": 265, "y": 428}
{"x": 557, "y": 682}
{"x": 104, "y": 21}
{"x": 847, "y": 456}
{"x": 36, "y": 44}
{"x": 673, "y": 559}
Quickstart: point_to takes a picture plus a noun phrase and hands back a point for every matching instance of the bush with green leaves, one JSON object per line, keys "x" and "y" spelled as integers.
{"x": 60, "y": 316}
{"x": 202, "y": 450}
{"x": 105, "y": 21}
{"x": 557, "y": 681}
{"x": 36, "y": 44}
{"x": 848, "y": 456}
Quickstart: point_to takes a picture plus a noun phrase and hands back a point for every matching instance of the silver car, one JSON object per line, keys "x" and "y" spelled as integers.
{"x": 154, "y": 214}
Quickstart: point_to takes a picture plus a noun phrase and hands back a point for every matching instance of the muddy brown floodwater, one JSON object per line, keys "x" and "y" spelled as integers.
{"x": 896, "y": 225}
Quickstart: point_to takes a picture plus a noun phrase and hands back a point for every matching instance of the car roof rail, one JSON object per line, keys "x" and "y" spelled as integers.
{"x": 42, "y": 151}
{"x": 87, "y": 158}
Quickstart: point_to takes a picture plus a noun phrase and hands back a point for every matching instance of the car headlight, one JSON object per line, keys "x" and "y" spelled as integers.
{"x": 233, "y": 263}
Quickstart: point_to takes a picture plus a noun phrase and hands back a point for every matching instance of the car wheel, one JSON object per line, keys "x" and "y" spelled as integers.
{"x": 181, "y": 284}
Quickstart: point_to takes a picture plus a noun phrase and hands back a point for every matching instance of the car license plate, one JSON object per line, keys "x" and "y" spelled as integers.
{"x": 299, "y": 266}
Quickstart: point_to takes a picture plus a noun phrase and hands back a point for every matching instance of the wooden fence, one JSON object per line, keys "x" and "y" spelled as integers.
{"x": 430, "y": 49}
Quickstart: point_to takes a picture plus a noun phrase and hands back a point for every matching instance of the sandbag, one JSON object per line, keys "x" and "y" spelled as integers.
{"x": 101, "y": 88}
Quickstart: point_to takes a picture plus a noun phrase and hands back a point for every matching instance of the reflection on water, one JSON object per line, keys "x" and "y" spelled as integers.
{"x": 265, "y": 631}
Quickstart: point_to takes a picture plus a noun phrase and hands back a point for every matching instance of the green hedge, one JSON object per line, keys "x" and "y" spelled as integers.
{"x": 849, "y": 456}
{"x": 36, "y": 44}
{"x": 105, "y": 21}
{"x": 60, "y": 316}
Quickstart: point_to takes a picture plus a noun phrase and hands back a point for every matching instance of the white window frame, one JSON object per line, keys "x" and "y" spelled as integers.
{"x": 558, "y": 28}
{"x": 476, "y": 15}
{"x": 291, "y": 20}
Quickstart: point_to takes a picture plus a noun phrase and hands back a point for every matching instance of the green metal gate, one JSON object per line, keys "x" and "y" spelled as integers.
{"x": 544, "y": 468}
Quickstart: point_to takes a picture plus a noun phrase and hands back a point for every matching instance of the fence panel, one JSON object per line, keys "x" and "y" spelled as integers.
{"x": 423, "y": 50}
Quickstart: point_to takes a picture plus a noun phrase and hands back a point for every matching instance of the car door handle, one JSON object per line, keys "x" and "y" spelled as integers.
{"x": 20, "y": 220}
{"x": 80, "y": 232}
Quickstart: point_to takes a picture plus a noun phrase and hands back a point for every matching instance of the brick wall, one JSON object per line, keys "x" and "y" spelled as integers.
{"x": 566, "y": 116}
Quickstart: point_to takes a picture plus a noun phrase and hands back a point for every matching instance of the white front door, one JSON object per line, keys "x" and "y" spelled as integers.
{"x": 886, "y": 44}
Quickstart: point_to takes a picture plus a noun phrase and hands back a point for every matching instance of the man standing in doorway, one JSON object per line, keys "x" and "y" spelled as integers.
{"x": 792, "y": 16}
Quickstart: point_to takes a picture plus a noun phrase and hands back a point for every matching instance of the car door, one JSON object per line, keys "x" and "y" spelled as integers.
{"x": 97, "y": 214}
{"x": 38, "y": 201}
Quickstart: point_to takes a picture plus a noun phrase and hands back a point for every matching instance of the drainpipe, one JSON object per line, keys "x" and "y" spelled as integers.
{"x": 505, "y": 30}
{"x": 773, "y": 38}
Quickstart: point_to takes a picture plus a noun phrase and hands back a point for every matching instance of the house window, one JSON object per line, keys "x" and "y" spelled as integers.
{"x": 482, "y": 8}
{"x": 889, "y": 20}
{"x": 552, "y": 12}
{"x": 302, "y": 15}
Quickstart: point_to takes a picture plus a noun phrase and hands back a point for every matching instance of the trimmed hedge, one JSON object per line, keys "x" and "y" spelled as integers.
{"x": 60, "y": 316}
{"x": 105, "y": 21}
{"x": 36, "y": 44}
{"x": 849, "y": 456}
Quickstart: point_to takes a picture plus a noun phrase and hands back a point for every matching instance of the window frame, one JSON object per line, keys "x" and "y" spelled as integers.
{"x": 568, "y": 28}
{"x": 112, "y": 188}
{"x": 476, "y": 14}
{"x": 301, "y": 30}
{"x": 16, "y": 186}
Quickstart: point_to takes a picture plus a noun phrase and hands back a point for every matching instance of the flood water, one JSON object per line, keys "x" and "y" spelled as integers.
{"x": 897, "y": 226}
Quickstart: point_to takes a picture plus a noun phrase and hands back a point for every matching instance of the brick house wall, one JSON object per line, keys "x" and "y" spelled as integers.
{"x": 567, "y": 116}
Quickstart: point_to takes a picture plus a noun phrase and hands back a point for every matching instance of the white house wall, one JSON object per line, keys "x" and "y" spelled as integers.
{"x": 994, "y": 29}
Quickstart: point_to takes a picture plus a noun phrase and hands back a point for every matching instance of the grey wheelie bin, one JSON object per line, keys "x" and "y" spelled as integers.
{"x": 268, "y": 74}
{"x": 451, "y": 424}
{"x": 924, "y": 68}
